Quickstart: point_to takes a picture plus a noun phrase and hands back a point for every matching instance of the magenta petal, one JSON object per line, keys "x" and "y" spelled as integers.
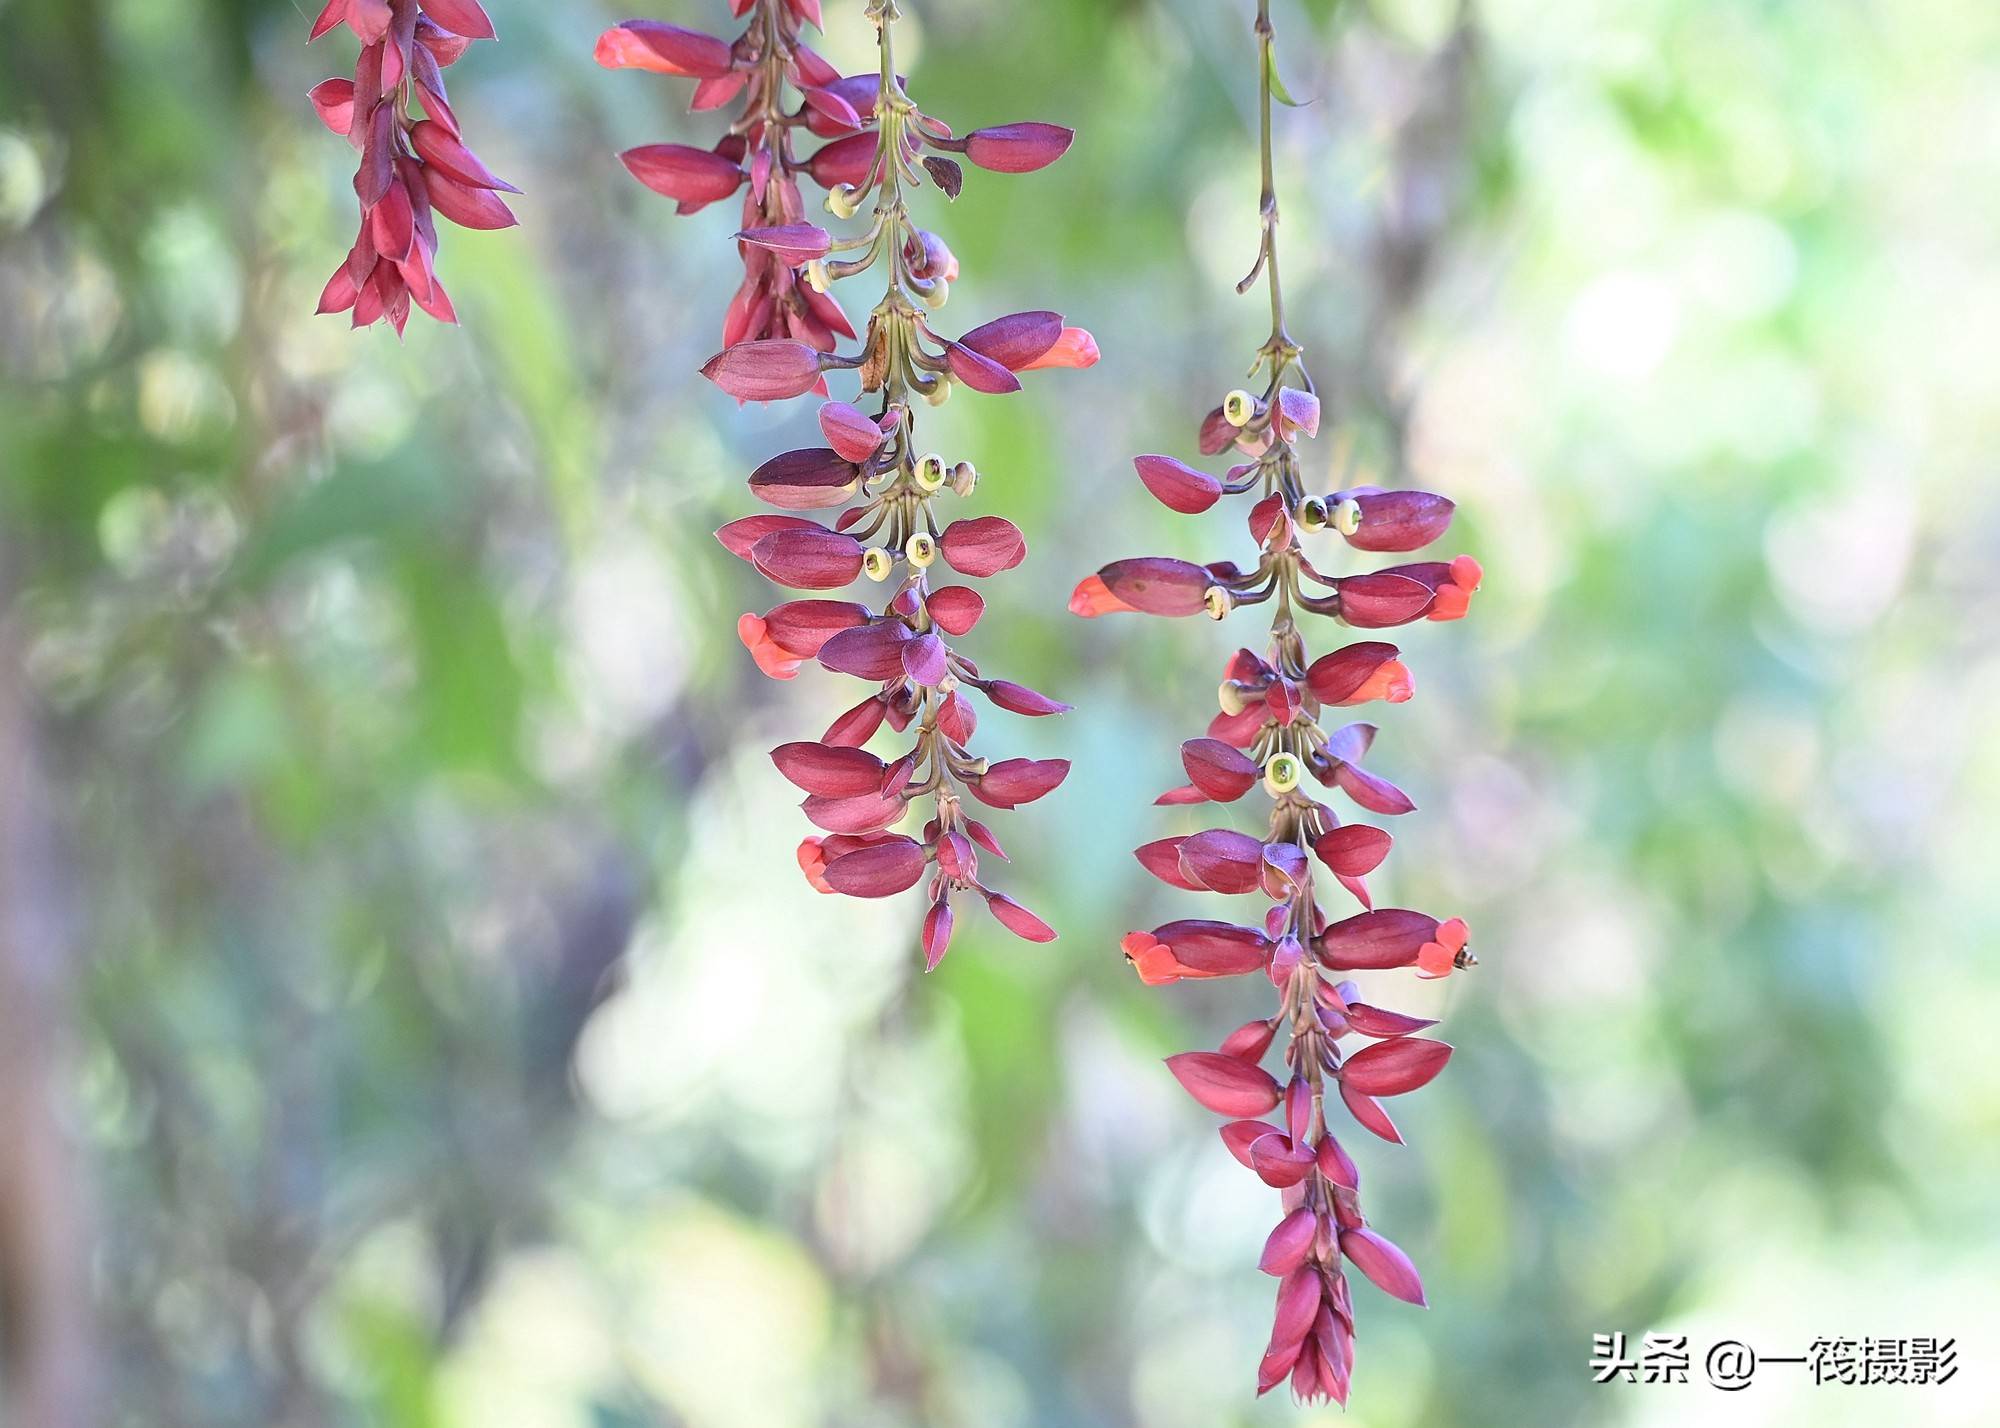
{"x": 1016, "y": 340}
{"x": 1298, "y": 1304}
{"x": 982, "y": 374}
{"x": 836, "y": 772}
{"x": 937, "y": 934}
{"x": 1386, "y": 937}
{"x": 868, "y": 813}
{"x": 955, "y": 609}
{"x": 1223, "y": 1084}
{"x": 1353, "y": 850}
{"x": 1017, "y": 148}
{"x": 1391, "y": 1068}
{"x": 1384, "y": 1264}
{"x": 1369, "y": 1113}
{"x": 870, "y": 651}
{"x": 810, "y": 479}
{"x": 1289, "y": 1243}
{"x": 1400, "y": 520}
{"x": 801, "y": 627}
{"x": 808, "y": 559}
{"x": 1163, "y": 860}
{"x": 1018, "y": 920}
{"x": 764, "y": 371}
{"x": 850, "y": 431}
{"x": 1012, "y": 782}
{"x": 1221, "y": 772}
{"x": 1215, "y": 949}
{"x": 1158, "y": 584}
{"x": 1375, "y": 601}
{"x": 1377, "y": 1022}
{"x": 741, "y": 535}
{"x": 1178, "y": 486}
{"x": 1222, "y": 860}
{"x": 794, "y": 243}
{"x": 1019, "y": 699}
{"x": 459, "y": 17}
{"x": 880, "y": 870}
{"x": 982, "y": 547}
{"x": 924, "y": 660}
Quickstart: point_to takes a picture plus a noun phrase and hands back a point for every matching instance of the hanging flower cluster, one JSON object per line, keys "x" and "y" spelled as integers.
{"x": 412, "y": 169}
{"x": 1269, "y": 733}
{"x": 781, "y": 340}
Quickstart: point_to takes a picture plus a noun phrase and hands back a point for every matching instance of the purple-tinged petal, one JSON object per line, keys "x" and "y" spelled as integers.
{"x": 1017, "y": 148}
{"x": 1224, "y": 1084}
{"x": 1384, "y": 1264}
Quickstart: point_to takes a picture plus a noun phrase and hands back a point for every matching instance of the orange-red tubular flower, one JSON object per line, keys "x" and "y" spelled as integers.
{"x": 1337, "y": 1050}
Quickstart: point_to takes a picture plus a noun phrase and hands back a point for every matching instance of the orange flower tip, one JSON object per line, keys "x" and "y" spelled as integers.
{"x": 1453, "y": 933}
{"x": 1434, "y": 959}
{"x": 1451, "y": 603}
{"x": 1092, "y": 597}
{"x": 1466, "y": 573}
{"x": 1075, "y": 348}
{"x": 772, "y": 660}
{"x": 812, "y": 862}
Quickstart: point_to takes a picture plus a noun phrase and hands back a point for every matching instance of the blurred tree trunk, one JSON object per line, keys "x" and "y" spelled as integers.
{"x": 46, "y": 1378}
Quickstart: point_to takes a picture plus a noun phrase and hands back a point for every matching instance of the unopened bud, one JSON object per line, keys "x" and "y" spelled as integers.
{"x": 936, "y": 295}
{"x": 931, "y": 471}
{"x": 964, "y": 478}
{"x": 1312, "y": 514}
{"x": 1217, "y": 601}
{"x": 1230, "y": 696}
{"x": 920, "y": 549}
{"x": 1239, "y": 407}
{"x": 1281, "y": 774}
{"x": 876, "y": 563}
{"x": 815, "y": 274}
{"x": 940, "y": 392}
{"x": 1347, "y": 516}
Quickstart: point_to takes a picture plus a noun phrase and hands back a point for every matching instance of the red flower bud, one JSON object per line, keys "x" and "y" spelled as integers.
{"x": 982, "y": 547}
{"x": 1156, "y": 584}
{"x": 808, "y": 558}
{"x": 1018, "y": 920}
{"x": 764, "y": 371}
{"x": 435, "y": 145}
{"x": 880, "y": 870}
{"x": 1012, "y": 782}
{"x": 1385, "y": 1265}
{"x": 850, "y": 432}
{"x": 1223, "y": 1084}
{"x": 1386, "y": 937}
{"x": 794, "y": 243}
{"x": 1391, "y": 1068}
{"x": 836, "y": 772}
{"x": 805, "y": 480}
{"x": 694, "y": 177}
{"x": 1397, "y": 520}
{"x": 1017, "y": 148}
{"x": 1178, "y": 486}
{"x": 1016, "y": 340}
{"x": 1219, "y": 771}
{"x": 955, "y": 609}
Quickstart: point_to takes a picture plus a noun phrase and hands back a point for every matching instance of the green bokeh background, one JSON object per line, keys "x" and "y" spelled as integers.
{"x": 441, "y": 1031}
